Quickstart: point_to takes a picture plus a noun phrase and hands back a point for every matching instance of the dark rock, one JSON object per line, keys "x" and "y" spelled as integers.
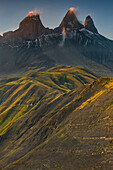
{"x": 89, "y": 24}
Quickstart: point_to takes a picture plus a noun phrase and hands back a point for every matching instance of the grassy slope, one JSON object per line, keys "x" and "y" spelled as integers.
{"x": 20, "y": 95}
{"x": 47, "y": 123}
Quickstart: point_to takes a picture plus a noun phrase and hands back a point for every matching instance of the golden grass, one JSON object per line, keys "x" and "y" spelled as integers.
{"x": 90, "y": 100}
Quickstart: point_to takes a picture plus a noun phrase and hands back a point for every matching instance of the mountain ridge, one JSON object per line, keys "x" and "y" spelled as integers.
{"x": 32, "y": 24}
{"x": 69, "y": 44}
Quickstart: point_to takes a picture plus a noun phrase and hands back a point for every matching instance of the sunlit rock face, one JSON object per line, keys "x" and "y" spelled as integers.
{"x": 31, "y": 27}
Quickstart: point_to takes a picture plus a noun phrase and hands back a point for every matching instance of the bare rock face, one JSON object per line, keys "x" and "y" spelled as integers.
{"x": 89, "y": 24}
{"x": 70, "y": 21}
{"x": 31, "y": 27}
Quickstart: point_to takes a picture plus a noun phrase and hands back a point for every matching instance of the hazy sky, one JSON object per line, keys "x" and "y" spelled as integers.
{"x": 13, "y": 11}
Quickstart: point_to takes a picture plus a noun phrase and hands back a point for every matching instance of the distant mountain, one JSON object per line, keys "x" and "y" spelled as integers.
{"x": 69, "y": 44}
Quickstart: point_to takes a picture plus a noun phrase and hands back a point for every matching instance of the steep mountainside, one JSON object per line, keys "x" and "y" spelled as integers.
{"x": 48, "y": 123}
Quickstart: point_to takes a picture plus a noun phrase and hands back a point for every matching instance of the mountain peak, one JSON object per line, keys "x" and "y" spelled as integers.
{"x": 89, "y": 24}
{"x": 33, "y": 13}
{"x": 31, "y": 20}
{"x": 31, "y": 26}
{"x": 70, "y": 20}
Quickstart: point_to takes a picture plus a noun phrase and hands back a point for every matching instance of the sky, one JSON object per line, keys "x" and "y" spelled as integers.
{"x": 12, "y": 12}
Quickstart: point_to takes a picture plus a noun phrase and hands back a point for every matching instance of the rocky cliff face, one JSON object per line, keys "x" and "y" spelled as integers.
{"x": 32, "y": 27}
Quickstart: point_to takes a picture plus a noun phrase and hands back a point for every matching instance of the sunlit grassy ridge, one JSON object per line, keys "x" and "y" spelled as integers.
{"x": 20, "y": 95}
{"x": 64, "y": 78}
{"x": 61, "y": 118}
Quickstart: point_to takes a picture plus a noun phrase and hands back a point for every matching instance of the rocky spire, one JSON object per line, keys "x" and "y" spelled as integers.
{"x": 89, "y": 24}
{"x": 70, "y": 21}
{"x": 31, "y": 27}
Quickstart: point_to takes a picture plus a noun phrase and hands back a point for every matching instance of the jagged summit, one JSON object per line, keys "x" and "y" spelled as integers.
{"x": 70, "y": 20}
{"x": 89, "y": 24}
{"x": 34, "y": 13}
{"x": 32, "y": 27}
